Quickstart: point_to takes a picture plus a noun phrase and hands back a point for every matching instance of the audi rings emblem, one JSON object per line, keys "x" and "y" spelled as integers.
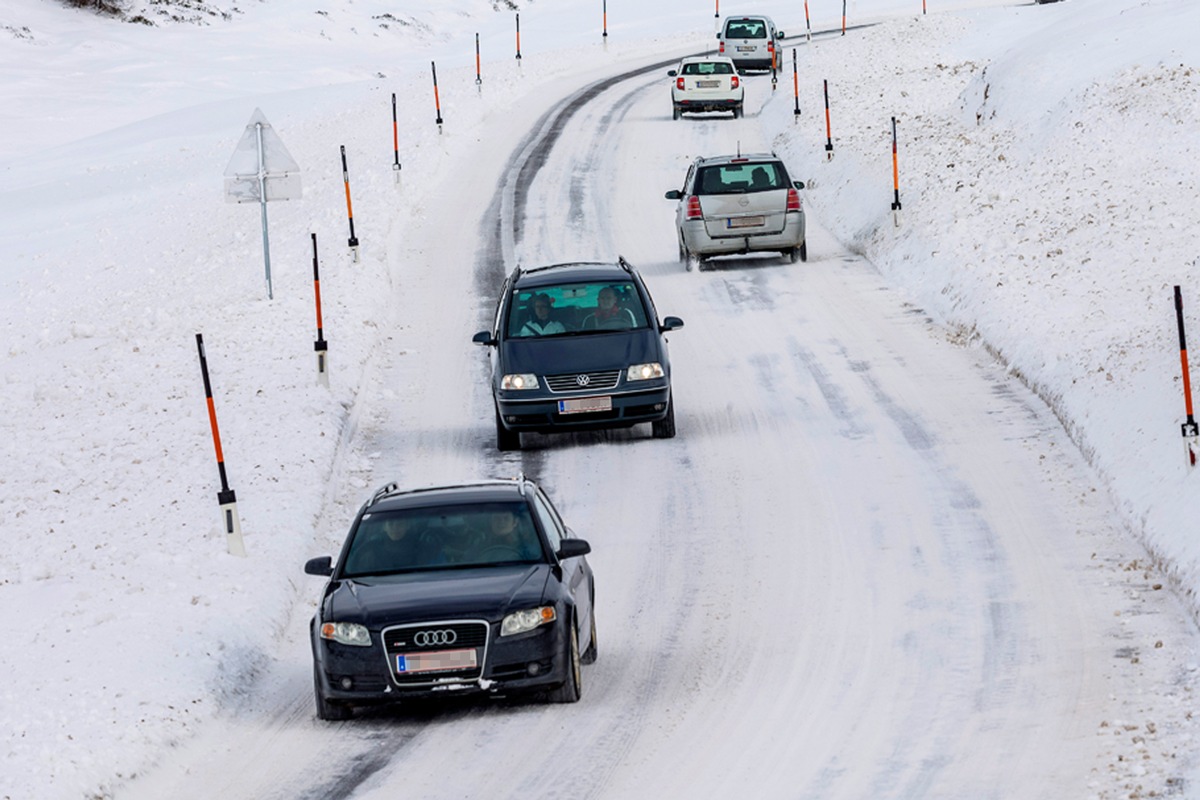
{"x": 583, "y": 380}
{"x": 435, "y": 638}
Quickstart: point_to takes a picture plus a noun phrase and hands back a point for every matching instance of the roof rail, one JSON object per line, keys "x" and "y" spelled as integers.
{"x": 383, "y": 491}
{"x": 625, "y": 265}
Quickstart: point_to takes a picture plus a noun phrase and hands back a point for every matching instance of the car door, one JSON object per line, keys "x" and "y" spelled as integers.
{"x": 576, "y": 572}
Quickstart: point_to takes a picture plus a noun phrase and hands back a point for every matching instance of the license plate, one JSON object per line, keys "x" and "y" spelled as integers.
{"x": 747, "y": 48}
{"x": 441, "y": 660}
{"x": 708, "y": 84}
{"x": 744, "y": 222}
{"x": 582, "y": 405}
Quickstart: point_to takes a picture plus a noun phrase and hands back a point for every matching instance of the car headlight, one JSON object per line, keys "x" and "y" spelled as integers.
{"x": 524, "y": 381}
{"x": 527, "y": 620}
{"x": 346, "y": 633}
{"x": 644, "y": 372}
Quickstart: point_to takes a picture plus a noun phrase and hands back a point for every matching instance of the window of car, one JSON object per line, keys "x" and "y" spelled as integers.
{"x": 708, "y": 68}
{"x": 746, "y": 29}
{"x": 549, "y": 519}
{"x": 741, "y": 177}
{"x": 576, "y": 308}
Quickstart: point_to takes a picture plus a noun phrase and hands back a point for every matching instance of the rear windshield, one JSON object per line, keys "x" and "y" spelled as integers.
{"x": 708, "y": 68}
{"x": 574, "y": 308}
{"x": 745, "y": 29}
{"x": 741, "y": 178}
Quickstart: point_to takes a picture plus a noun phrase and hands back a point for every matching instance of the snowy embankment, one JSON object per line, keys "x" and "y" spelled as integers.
{"x": 1048, "y": 174}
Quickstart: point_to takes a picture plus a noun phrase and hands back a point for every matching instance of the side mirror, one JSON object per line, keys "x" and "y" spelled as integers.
{"x": 798, "y": 184}
{"x": 672, "y": 72}
{"x": 319, "y": 566}
{"x": 670, "y": 324}
{"x": 573, "y": 548}
{"x": 483, "y": 337}
{"x": 779, "y": 34}
{"x": 674, "y": 194}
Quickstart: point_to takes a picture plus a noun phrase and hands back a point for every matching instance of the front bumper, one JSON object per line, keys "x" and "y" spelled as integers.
{"x": 542, "y": 415}
{"x": 697, "y": 239}
{"x": 527, "y": 662}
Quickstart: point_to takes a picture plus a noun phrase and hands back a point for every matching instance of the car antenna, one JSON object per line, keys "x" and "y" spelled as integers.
{"x": 739, "y": 148}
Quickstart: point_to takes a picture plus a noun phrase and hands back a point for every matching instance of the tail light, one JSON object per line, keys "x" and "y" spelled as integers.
{"x": 720, "y": 48}
{"x": 679, "y": 84}
{"x": 793, "y": 200}
{"x": 694, "y": 212}
{"x": 733, "y": 82}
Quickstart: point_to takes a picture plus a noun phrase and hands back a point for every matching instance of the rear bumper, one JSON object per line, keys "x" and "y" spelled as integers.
{"x": 707, "y": 105}
{"x": 697, "y": 240}
{"x": 542, "y": 415}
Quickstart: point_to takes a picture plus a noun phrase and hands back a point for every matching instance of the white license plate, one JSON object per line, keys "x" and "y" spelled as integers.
{"x": 747, "y": 48}
{"x": 708, "y": 84}
{"x": 441, "y": 660}
{"x": 583, "y": 405}
{"x": 744, "y": 222}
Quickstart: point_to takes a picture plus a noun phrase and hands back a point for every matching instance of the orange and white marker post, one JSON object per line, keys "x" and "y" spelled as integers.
{"x": 828, "y": 129}
{"x": 226, "y": 497}
{"x": 478, "y": 65}
{"x": 437, "y": 102}
{"x": 1191, "y": 432}
{"x": 352, "y": 242}
{"x": 807, "y": 22}
{"x": 395, "y": 141}
{"x": 717, "y": 12}
{"x": 895, "y": 177}
{"x": 605, "y": 13}
{"x": 518, "y": 37}
{"x": 843, "y": 17}
{"x": 320, "y": 345}
{"x": 795, "y": 87}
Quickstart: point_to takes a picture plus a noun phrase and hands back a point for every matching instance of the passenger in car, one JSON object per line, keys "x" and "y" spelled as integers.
{"x": 759, "y": 179}
{"x": 608, "y": 314}
{"x": 540, "y": 323}
{"x": 508, "y": 538}
{"x": 391, "y": 544}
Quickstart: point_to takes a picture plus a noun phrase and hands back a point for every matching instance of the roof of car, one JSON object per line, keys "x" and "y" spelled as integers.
{"x": 705, "y": 59}
{"x": 391, "y": 497}
{"x": 708, "y": 160}
{"x": 571, "y": 271}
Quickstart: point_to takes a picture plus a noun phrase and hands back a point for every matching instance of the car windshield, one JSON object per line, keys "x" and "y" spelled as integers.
{"x": 575, "y": 308}
{"x": 741, "y": 177}
{"x": 708, "y": 68}
{"x": 443, "y": 537}
{"x": 746, "y": 29}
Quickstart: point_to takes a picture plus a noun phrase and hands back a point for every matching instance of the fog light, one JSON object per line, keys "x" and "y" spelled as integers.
{"x": 659, "y": 406}
{"x": 347, "y": 683}
{"x": 533, "y": 668}
{"x": 510, "y": 419}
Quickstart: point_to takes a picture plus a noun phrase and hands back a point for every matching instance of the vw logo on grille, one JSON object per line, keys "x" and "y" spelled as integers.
{"x": 435, "y": 638}
{"x": 583, "y": 380}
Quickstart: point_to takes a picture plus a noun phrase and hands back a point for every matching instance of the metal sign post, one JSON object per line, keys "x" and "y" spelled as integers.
{"x": 262, "y": 170}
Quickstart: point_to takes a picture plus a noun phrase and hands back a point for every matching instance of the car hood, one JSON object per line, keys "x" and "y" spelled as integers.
{"x": 488, "y": 593}
{"x": 592, "y": 352}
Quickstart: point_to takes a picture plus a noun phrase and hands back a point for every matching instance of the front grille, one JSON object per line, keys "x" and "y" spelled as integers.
{"x": 434, "y": 637}
{"x": 584, "y": 381}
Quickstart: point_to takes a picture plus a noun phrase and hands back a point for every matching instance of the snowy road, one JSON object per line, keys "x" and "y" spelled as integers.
{"x": 870, "y": 565}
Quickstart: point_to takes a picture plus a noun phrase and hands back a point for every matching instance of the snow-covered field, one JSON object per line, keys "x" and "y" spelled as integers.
{"x": 1048, "y": 169}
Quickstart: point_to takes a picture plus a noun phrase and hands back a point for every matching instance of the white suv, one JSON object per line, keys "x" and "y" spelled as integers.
{"x": 710, "y": 83}
{"x": 751, "y": 41}
{"x": 739, "y": 204}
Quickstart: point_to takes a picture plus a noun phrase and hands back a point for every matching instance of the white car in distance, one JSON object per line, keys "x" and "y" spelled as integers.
{"x": 708, "y": 83}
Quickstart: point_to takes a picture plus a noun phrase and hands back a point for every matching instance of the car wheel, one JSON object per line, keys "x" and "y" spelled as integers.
{"x": 665, "y": 427}
{"x": 506, "y": 440}
{"x": 804, "y": 250}
{"x": 737, "y": 112}
{"x": 683, "y": 254}
{"x": 676, "y": 113}
{"x": 792, "y": 255}
{"x": 572, "y": 688}
{"x": 589, "y": 655}
{"x": 329, "y": 710}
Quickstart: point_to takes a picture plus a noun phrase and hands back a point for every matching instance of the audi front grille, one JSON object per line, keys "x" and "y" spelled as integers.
{"x": 584, "y": 381}
{"x": 452, "y": 637}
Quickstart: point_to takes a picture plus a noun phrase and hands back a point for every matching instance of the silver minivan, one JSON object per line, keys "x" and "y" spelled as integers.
{"x": 751, "y": 41}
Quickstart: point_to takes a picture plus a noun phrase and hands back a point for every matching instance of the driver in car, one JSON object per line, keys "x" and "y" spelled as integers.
{"x": 508, "y": 539}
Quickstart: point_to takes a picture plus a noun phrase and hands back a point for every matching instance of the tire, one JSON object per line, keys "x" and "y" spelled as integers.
{"x": 676, "y": 113}
{"x": 665, "y": 427}
{"x": 506, "y": 440}
{"x": 589, "y": 655}
{"x": 737, "y": 112}
{"x": 572, "y": 688}
{"x": 804, "y": 250}
{"x": 329, "y": 710}
{"x": 683, "y": 254}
